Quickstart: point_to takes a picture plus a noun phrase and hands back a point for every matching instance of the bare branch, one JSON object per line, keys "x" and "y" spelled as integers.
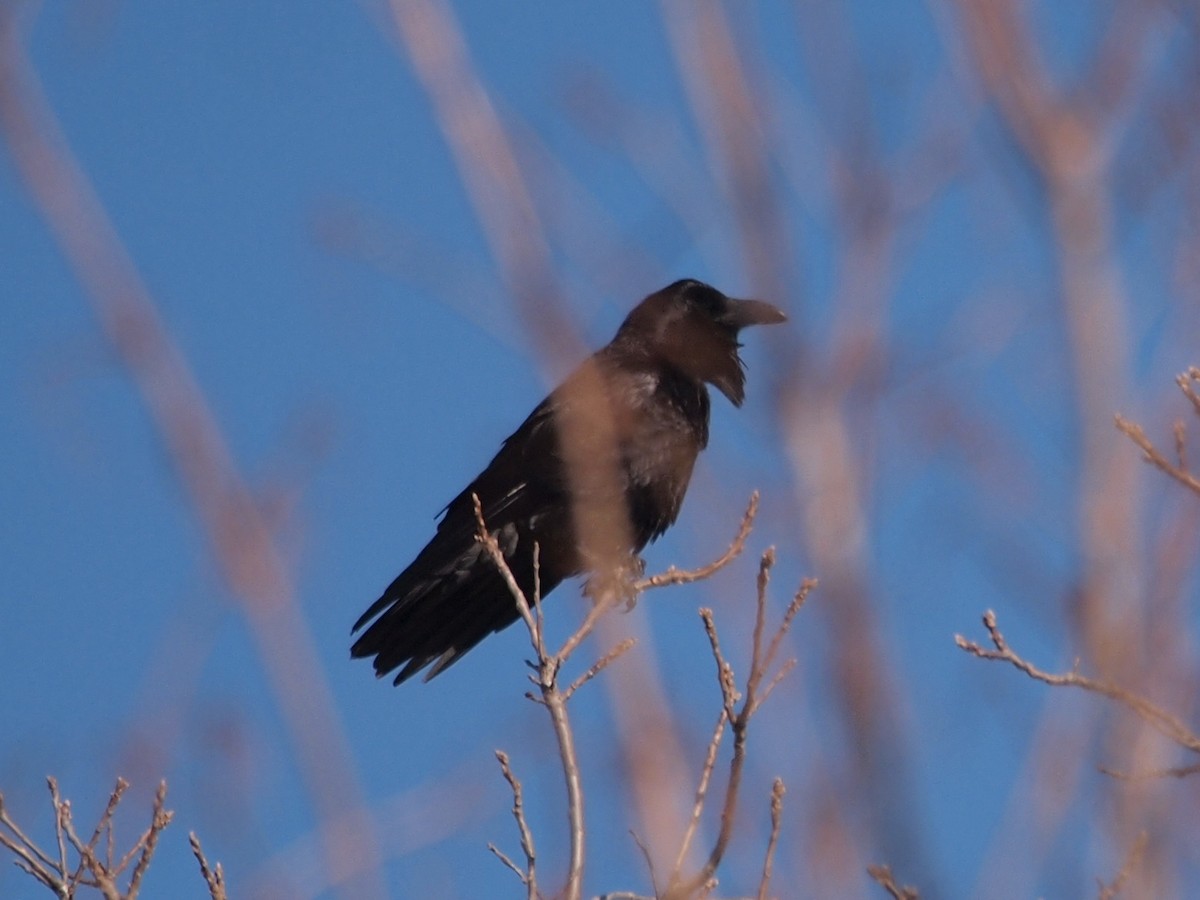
{"x": 1174, "y": 772}
{"x": 239, "y": 536}
{"x": 739, "y": 722}
{"x": 1154, "y": 716}
{"x": 160, "y": 819}
{"x": 214, "y": 876}
{"x": 492, "y": 546}
{"x": 599, "y": 666}
{"x": 30, "y": 857}
{"x": 529, "y": 875}
{"x": 883, "y": 876}
{"x": 1187, "y": 383}
{"x": 507, "y": 860}
{"x": 807, "y": 586}
{"x": 710, "y": 761}
{"x": 686, "y": 576}
{"x": 1132, "y": 859}
{"x": 777, "y": 792}
{"x": 645, "y": 851}
{"x": 1154, "y": 456}
{"x": 554, "y": 700}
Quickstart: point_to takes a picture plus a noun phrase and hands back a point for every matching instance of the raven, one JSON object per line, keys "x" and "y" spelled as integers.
{"x": 597, "y": 471}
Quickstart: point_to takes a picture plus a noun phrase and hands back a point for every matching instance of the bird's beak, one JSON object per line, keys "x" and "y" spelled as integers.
{"x": 753, "y": 312}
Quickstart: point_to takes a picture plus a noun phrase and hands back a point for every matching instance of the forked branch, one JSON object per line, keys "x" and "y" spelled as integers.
{"x": 1153, "y": 715}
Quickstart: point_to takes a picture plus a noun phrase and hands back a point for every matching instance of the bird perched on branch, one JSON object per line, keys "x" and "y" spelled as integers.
{"x": 597, "y": 471}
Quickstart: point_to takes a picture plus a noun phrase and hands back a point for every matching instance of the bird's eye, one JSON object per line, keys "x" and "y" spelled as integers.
{"x": 707, "y": 300}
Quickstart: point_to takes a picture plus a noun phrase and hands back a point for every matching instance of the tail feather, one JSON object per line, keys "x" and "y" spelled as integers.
{"x": 424, "y": 619}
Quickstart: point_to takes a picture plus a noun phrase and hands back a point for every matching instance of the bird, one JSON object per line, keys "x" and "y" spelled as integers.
{"x": 596, "y": 472}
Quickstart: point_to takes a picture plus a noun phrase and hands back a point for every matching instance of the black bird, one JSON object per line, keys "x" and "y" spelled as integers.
{"x": 607, "y": 456}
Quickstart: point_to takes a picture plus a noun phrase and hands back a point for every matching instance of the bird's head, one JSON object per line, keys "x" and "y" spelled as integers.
{"x": 694, "y": 327}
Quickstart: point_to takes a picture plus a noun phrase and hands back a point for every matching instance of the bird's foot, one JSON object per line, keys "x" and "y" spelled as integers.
{"x": 617, "y": 584}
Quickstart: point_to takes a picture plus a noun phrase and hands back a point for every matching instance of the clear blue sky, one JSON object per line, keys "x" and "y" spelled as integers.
{"x": 278, "y": 177}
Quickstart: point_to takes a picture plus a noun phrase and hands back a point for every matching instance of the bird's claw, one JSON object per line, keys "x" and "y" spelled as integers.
{"x": 618, "y": 584}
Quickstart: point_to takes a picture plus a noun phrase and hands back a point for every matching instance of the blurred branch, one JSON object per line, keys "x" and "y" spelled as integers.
{"x": 1132, "y": 859}
{"x": 487, "y": 165}
{"x": 883, "y": 876}
{"x": 238, "y": 534}
{"x": 1159, "y": 719}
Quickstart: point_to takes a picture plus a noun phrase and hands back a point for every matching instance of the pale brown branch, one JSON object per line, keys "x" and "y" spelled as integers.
{"x": 807, "y": 586}
{"x": 528, "y": 876}
{"x": 710, "y": 761}
{"x": 507, "y": 860}
{"x": 214, "y": 876}
{"x": 777, "y": 792}
{"x": 1187, "y": 383}
{"x": 784, "y": 671}
{"x": 160, "y": 819}
{"x": 30, "y": 857}
{"x": 686, "y": 576}
{"x": 1132, "y": 859}
{"x": 883, "y": 876}
{"x": 760, "y": 618}
{"x": 1157, "y": 718}
{"x": 91, "y": 871}
{"x": 554, "y": 699}
{"x": 238, "y": 534}
{"x": 739, "y": 722}
{"x": 1155, "y": 457}
{"x": 1173, "y": 772}
{"x": 61, "y": 809}
{"x": 490, "y": 544}
{"x": 599, "y": 666}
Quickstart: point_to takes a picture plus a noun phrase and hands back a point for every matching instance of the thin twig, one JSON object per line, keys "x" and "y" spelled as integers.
{"x": 1155, "y": 457}
{"x": 492, "y": 546}
{"x": 61, "y": 809}
{"x": 507, "y": 860}
{"x": 1173, "y": 772}
{"x": 30, "y": 857}
{"x": 1131, "y": 861}
{"x": 556, "y": 704}
{"x": 883, "y": 875}
{"x": 1187, "y": 383}
{"x": 214, "y": 876}
{"x": 686, "y": 576}
{"x": 599, "y": 666}
{"x": 529, "y": 875}
{"x": 760, "y": 618}
{"x": 552, "y": 698}
{"x": 777, "y": 792}
{"x": 739, "y": 722}
{"x": 239, "y": 535}
{"x": 710, "y": 761}
{"x": 641, "y": 845}
{"x": 555, "y": 699}
{"x": 1154, "y": 716}
{"x": 807, "y": 586}
{"x": 160, "y": 819}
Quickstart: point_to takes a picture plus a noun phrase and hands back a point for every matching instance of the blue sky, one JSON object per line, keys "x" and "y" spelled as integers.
{"x": 278, "y": 177}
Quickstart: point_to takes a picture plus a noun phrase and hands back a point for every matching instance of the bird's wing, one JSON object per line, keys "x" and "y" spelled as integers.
{"x": 451, "y": 596}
